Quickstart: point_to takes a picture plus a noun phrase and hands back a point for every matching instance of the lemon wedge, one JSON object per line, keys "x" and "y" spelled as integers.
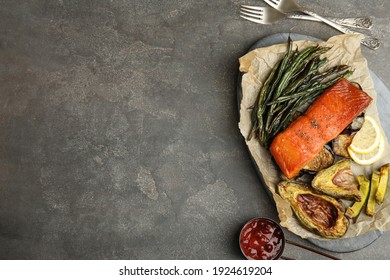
{"x": 371, "y": 157}
{"x": 367, "y": 138}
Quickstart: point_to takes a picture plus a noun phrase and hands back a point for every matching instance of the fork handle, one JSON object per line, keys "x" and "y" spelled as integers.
{"x": 368, "y": 41}
{"x": 356, "y": 22}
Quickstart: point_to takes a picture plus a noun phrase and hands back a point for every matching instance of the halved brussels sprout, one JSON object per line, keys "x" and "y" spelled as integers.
{"x": 322, "y": 160}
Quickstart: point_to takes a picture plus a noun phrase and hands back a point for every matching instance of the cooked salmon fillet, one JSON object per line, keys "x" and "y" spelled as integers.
{"x": 326, "y": 118}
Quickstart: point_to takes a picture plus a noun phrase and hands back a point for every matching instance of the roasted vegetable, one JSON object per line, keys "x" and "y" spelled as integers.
{"x": 319, "y": 213}
{"x": 340, "y": 145}
{"x": 383, "y": 181}
{"x": 354, "y": 211}
{"x": 370, "y": 209}
{"x": 338, "y": 181}
{"x": 294, "y": 81}
{"x": 357, "y": 123}
{"x": 322, "y": 160}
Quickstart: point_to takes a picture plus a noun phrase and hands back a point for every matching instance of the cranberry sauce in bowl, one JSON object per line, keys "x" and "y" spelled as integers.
{"x": 262, "y": 239}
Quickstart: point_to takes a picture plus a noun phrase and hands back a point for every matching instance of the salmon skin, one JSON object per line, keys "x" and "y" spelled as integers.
{"x": 326, "y": 118}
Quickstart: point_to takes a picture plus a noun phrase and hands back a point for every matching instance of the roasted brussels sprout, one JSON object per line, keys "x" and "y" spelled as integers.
{"x": 322, "y": 160}
{"x": 340, "y": 145}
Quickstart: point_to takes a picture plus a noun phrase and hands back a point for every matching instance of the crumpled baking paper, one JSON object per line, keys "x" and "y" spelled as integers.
{"x": 256, "y": 65}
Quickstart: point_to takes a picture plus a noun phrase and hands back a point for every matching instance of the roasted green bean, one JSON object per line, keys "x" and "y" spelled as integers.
{"x": 295, "y": 81}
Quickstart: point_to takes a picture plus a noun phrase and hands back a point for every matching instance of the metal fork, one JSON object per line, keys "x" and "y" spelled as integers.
{"x": 288, "y": 6}
{"x": 268, "y": 15}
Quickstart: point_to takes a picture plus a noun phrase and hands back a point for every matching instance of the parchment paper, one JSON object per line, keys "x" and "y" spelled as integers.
{"x": 256, "y": 65}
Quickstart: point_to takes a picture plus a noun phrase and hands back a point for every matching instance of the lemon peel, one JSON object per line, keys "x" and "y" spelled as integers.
{"x": 368, "y": 158}
{"x": 367, "y": 138}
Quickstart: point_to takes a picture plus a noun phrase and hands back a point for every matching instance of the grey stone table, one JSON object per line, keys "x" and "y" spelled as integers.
{"x": 118, "y": 127}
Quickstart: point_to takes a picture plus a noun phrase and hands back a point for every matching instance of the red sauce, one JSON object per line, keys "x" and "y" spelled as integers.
{"x": 262, "y": 239}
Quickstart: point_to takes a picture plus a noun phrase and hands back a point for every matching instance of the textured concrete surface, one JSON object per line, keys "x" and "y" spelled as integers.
{"x": 118, "y": 127}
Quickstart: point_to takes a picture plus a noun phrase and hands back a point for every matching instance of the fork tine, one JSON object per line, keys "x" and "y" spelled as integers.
{"x": 272, "y": 3}
{"x": 252, "y": 7}
{"x": 254, "y": 12}
{"x": 253, "y": 19}
{"x": 257, "y": 16}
